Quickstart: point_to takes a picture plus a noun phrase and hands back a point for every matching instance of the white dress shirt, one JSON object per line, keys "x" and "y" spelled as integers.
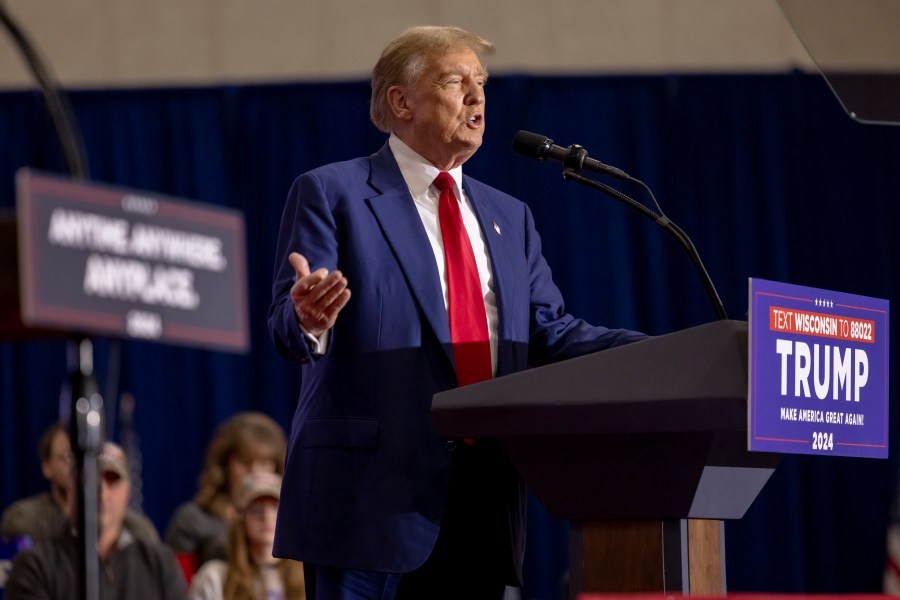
{"x": 419, "y": 175}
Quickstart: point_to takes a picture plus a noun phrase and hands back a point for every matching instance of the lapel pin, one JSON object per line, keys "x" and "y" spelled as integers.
{"x": 496, "y": 227}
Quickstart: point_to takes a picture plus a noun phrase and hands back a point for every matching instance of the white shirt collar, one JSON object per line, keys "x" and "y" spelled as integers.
{"x": 418, "y": 173}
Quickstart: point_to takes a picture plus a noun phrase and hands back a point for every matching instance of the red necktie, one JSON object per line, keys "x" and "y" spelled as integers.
{"x": 465, "y": 305}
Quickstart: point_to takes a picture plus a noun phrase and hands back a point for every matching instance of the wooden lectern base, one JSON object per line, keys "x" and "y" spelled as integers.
{"x": 683, "y": 556}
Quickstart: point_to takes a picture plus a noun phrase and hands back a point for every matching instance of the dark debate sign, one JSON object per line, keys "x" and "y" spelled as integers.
{"x": 97, "y": 259}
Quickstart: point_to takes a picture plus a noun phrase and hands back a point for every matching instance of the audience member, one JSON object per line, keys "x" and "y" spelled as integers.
{"x": 131, "y": 568}
{"x": 248, "y": 442}
{"x": 46, "y": 515}
{"x": 251, "y": 571}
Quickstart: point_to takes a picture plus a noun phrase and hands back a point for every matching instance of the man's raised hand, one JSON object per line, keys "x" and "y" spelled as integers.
{"x": 318, "y": 296}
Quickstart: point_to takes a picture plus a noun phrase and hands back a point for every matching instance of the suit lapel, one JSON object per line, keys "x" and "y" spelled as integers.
{"x": 396, "y": 213}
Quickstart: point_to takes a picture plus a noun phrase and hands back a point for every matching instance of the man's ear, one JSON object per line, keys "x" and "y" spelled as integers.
{"x": 398, "y": 100}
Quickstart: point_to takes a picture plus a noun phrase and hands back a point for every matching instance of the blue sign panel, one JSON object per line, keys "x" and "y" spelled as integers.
{"x": 8, "y": 550}
{"x": 818, "y": 371}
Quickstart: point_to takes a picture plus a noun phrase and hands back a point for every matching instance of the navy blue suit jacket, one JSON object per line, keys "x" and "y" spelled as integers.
{"x": 366, "y": 475}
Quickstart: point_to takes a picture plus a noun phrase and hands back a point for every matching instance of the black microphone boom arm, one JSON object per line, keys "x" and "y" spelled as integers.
{"x": 667, "y": 224}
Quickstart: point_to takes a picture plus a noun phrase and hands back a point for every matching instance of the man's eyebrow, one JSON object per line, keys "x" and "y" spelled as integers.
{"x": 450, "y": 72}
{"x": 462, "y": 71}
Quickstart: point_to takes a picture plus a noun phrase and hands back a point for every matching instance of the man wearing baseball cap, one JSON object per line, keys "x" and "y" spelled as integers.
{"x": 45, "y": 515}
{"x": 131, "y": 568}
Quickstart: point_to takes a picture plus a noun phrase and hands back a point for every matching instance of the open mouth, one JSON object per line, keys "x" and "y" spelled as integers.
{"x": 475, "y": 121}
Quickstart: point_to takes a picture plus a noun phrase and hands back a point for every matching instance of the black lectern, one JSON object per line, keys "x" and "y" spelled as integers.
{"x": 642, "y": 448}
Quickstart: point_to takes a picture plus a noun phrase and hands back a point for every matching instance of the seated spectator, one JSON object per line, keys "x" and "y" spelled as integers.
{"x": 248, "y": 442}
{"x": 131, "y": 568}
{"x": 251, "y": 571}
{"x": 46, "y": 515}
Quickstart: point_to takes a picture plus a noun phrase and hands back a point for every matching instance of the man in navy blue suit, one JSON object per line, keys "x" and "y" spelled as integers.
{"x": 374, "y": 501}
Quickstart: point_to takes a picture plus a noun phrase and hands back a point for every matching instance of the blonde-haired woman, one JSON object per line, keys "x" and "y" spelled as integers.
{"x": 248, "y": 442}
{"x": 251, "y": 572}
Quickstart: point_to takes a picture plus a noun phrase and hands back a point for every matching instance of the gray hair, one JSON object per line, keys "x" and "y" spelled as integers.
{"x": 403, "y": 61}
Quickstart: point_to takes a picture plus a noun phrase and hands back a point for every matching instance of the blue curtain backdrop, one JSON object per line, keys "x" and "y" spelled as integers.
{"x": 765, "y": 172}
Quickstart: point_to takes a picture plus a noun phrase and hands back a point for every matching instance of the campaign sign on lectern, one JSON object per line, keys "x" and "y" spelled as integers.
{"x": 113, "y": 261}
{"x": 818, "y": 371}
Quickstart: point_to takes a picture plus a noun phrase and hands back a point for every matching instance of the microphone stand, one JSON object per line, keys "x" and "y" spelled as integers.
{"x": 572, "y": 171}
{"x": 86, "y": 432}
{"x": 86, "y": 417}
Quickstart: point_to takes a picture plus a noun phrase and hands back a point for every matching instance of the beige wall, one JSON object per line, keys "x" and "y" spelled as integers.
{"x": 163, "y": 42}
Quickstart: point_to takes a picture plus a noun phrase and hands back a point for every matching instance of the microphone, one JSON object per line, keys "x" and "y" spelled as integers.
{"x": 575, "y": 157}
